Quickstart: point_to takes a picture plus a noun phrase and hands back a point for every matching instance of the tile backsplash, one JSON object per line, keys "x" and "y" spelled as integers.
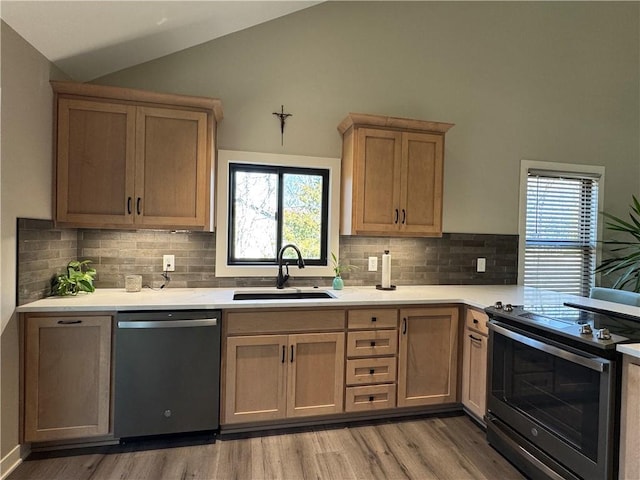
{"x": 44, "y": 251}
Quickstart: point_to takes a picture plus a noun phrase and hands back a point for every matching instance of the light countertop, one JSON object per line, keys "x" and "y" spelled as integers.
{"x": 479, "y": 296}
{"x": 631, "y": 349}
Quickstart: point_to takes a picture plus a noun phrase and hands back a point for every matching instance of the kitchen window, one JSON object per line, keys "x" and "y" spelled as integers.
{"x": 271, "y": 206}
{"x": 559, "y": 226}
{"x": 265, "y": 201}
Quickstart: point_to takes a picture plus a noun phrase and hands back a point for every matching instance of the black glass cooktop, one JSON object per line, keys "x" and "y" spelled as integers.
{"x": 569, "y": 321}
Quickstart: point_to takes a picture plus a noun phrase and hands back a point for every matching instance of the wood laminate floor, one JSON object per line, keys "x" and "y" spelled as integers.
{"x": 426, "y": 448}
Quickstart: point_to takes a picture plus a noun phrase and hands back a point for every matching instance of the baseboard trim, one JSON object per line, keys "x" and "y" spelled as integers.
{"x": 12, "y": 460}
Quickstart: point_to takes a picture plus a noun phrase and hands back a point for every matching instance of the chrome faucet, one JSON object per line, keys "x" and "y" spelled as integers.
{"x": 283, "y": 277}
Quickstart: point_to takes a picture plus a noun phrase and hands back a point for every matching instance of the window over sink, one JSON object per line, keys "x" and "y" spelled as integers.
{"x": 271, "y": 206}
{"x": 265, "y": 201}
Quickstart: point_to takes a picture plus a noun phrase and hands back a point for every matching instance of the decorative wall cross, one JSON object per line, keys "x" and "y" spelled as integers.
{"x": 283, "y": 118}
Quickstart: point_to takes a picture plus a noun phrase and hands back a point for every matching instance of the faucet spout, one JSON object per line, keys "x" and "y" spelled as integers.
{"x": 282, "y": 276}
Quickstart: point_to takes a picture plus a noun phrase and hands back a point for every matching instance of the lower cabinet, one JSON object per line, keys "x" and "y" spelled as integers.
{"x": 630, "y": 419}
{"x": 256, "y": 378}
{"x": 315, "y": 377}
{"x": 372, "y": 349}
{"x": 474, "y": 363}
{"x": 67, "y": 377}
{"x": 271, "y": 377}
{"x": 428, "y": 356}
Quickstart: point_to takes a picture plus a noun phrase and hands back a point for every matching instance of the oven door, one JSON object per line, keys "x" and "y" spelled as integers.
{"x": 554, "y": 402}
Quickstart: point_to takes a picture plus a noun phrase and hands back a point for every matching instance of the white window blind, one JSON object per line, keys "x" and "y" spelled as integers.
{"x": 561, "y": 231}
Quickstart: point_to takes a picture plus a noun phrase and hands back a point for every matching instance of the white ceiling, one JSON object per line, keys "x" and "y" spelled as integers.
{"x": 88, "y": 39}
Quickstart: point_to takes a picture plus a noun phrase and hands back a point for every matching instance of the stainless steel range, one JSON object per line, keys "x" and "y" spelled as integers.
{"x": 553, "y": 388}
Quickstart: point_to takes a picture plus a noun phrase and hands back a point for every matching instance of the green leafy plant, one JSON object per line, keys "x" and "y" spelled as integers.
{"x": 338, "y": 268}
{"x": 626, "y": 262}
{"x": 79, "y": 278}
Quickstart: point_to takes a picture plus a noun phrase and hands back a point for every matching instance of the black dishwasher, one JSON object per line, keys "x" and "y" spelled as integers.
{"x": 167, "y": 372}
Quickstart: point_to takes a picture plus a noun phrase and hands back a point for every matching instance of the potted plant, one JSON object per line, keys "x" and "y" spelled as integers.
{"x": 626, "y": 263}
{"x": 338, "y": 268}
{"x": 79, "y": 278}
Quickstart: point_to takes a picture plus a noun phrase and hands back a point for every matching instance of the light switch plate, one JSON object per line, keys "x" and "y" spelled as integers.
{"x": 482, "y": 265}
{"x": 373, "y": 264}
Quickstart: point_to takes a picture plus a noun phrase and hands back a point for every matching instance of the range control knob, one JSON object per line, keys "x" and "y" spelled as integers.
{"x": 603, "y": 334}
{"x": 498, "y": 306}
{"x": 585, "y": 329}
{"x": 508, "y": 307}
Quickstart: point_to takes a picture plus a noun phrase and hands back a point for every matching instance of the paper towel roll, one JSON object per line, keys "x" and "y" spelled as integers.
{"x": 386, "y": 270}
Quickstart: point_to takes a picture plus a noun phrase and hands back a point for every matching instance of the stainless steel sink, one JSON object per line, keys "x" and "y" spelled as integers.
{"x": 285, "y": 294}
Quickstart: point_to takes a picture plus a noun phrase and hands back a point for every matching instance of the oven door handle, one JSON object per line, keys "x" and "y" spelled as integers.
{"x": 597, "y": 364}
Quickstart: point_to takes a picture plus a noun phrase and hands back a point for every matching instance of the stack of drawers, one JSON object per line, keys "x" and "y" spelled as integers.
{"x": 372, "y": 350}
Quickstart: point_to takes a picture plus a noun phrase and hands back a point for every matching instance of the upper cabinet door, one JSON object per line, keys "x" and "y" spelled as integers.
{"x": 95, "y": 150}
{"x": 171, "y": 167}
{"x": 421, "y": 204}
{"x": 378, "y": 180}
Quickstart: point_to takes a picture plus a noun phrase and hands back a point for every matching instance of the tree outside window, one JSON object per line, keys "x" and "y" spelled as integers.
{"x": 272, "y": 206}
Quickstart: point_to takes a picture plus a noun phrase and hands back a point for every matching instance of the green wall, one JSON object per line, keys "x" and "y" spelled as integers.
{"x": 550, "y": 81}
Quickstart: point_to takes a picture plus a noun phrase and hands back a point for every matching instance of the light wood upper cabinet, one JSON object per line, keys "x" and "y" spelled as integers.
{"x": 392, "y": 176}
{"x": 428, "y": 356}
{"x": 133, "y": 159}
{"x": 67, "y": 368}
{"x": 95, "y": 162}
{"x": 171, "y": 167}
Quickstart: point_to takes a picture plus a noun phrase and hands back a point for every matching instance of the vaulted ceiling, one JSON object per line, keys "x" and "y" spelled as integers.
{"x": 88, "y": 39}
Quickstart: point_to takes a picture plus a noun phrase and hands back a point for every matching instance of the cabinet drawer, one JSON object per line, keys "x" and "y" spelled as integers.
{"x": 364, "y": 371}
{"x": 369, "y": 343}
{"x": 373, "y": 318}
{"x": 371, "y": 397}
{"x": 477, "y": 320}
{"x": 283, "y": 321}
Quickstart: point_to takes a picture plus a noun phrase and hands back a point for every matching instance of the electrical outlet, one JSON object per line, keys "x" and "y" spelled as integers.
{"x": 373, "y": 264}
{"x": 481, "y": 266}
{"x": 168, "y": 263}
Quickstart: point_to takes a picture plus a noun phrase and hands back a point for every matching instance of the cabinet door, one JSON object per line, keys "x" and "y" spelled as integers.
{"x": 255, "y": 381}
{"x": 171, "y": 168}
{"x": 377, "y": 171}
{"x": 630, "y": 419}
{"x": 427, "y": 363}
{"x": 316, "y": 374}
{"x": 421, "y": 185}
{"x": 67, "y": 377}
{"x": 95, "y": 163}
{"x": 474, "y": 372}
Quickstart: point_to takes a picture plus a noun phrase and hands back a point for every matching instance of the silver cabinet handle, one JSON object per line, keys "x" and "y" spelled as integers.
{"x": 204, "y": 322}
